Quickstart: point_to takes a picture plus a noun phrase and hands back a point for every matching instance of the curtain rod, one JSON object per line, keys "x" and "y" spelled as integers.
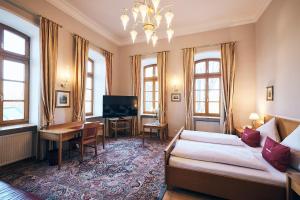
{"x": 209, "y": 45}
{"x": 149, "y": 54}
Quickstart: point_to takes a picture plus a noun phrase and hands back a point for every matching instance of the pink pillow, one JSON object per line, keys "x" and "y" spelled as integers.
{"x": 251, "y": 137}
{"x": 276, "y": 154}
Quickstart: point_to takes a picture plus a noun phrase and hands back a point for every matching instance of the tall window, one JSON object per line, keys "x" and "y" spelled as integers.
{"x": 89, "y": 91}
{"x": 150, "y": 96}
{"x": 14, "y": 76}
{"x": 207, "y": 87}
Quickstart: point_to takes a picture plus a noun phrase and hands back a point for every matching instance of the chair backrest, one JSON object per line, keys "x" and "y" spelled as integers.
{"x": 90, "y": 130}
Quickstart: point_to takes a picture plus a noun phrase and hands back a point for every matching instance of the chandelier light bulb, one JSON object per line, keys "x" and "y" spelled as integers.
{"x": 125, "y": 19}
{"x": 158, "y": 19}
{"x": 135, "y": 12}
{"x": 169, "y": 17}
{"x": 155, "y": 4}
{"x": 143, "y": 10}
{"x": 170, "y": 33}
{"x": 133, "y": 35}
{"x": 154, "y": 39}
{"x": 148, "y": 34}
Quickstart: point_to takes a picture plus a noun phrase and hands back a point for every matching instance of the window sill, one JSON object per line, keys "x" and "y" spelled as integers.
{"x": 13, "y": 129}
{"x": 148, "y": 115}
{"x": 93, "y": 117}
{"x": 206, "y": 118}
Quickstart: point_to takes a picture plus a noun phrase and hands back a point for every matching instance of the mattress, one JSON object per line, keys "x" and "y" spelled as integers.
{"x": 271, "y": 176}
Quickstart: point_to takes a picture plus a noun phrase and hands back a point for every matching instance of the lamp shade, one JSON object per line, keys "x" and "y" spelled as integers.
{"x": 254, "y": 116}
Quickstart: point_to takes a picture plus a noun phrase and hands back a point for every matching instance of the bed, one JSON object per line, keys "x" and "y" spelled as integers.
{"x": 228, "y": 181}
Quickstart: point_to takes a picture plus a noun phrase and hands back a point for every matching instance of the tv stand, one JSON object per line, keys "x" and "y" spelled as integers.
{"x": 120, "y": 124}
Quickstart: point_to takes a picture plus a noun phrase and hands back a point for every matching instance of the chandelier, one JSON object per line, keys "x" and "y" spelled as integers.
{"x": 148, "y": 16}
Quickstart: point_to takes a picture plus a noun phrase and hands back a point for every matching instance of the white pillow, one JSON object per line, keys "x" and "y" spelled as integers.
{"x": 268, "y": 129}
{"x": 293, "y": 141}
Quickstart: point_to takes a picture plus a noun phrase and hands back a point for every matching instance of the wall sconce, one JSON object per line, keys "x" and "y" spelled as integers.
{"x": 64, "y": 78}
{"x": 174, "y": 84}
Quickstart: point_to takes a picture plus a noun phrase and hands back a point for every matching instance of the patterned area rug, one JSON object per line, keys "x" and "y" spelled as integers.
{"x": 124, "y": 170}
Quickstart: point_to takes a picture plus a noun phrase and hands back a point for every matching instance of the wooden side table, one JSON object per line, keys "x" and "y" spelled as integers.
{"x": 239, "y": 132}
{"x": 162, "y": 129}
{"x": 293, "y": 185}
{"x": 120, "y": 124}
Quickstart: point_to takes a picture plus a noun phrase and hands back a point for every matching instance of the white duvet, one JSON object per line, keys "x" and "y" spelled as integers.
{"x": 208, "y": 137}
{"x": 218, "y": 153}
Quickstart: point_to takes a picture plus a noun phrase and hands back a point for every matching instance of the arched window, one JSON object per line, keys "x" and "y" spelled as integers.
{"x": 14, "y": 76}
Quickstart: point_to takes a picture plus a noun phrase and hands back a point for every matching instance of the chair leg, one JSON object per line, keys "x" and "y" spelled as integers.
{"x": 96, "y": 148}
{"x": 81, "y": 151}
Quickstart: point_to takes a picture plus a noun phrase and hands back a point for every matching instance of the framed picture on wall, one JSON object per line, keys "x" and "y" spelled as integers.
{"x": 62, "y": 99}
{"x": 175, "y": 97}
{"x": 270, "y": 93}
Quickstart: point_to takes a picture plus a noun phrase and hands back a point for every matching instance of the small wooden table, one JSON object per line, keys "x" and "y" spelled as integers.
{"x": 64, "y": 132}
{"x": 162, "y": 129}
{"x": 120, "y": 124}
{"x": 239, "y": 131}
{"x": 293, "y": 184}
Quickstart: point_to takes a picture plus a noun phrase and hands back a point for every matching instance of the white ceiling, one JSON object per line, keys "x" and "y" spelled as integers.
{"x": 191, "y": 16}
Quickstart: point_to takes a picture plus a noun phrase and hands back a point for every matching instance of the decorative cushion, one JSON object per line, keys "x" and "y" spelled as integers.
{"x": 268, "y": 129}
{"x": 251, "y": 137}
{"x": 293, "y": 141}
{"x": 276, "y": 154}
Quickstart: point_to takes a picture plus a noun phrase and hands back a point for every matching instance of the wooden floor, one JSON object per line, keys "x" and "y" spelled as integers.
{"x": 178, "y": 194}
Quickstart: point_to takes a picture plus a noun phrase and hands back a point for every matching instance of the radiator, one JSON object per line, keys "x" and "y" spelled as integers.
{"x": 15, "y": 147}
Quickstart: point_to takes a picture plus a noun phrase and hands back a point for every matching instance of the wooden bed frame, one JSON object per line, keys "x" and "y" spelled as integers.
{"x": 225, "y": 186}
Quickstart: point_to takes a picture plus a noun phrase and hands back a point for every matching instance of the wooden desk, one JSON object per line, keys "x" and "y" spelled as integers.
{"x": 64, "y": 132}
{"x": 162, "y": 128}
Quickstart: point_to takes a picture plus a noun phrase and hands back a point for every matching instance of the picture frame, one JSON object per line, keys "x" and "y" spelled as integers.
{"x": 62, "y": 99}
{"x": 270, "y": 93}
{"x": 175, "y": 97}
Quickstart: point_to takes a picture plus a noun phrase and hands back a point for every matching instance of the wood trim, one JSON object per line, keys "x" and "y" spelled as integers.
{"x": 206, "y": 76}
{"x": 152, "y": 79}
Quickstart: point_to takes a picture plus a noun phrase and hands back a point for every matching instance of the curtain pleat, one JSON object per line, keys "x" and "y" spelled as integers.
{"x": 136, "y": 88}
{"x": 162, "y": 84}
{"x": 108, "y": 60}
{"x": 228, "y": 76}
{"x": 188, "y": 69}
{"x": 81, "y": 58}
{"x": 49, "y": 49}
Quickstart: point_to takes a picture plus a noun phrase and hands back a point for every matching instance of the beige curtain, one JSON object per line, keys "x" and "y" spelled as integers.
{"x": 49, "y": 44}
{"x": 108, "y": 59}
{"x": 81, "y": 57}
{"x": 162, "y": 67}
{"x": 228, "y": 76}
{"x": 136, "y": 88}
{"x": 188, "y": 69}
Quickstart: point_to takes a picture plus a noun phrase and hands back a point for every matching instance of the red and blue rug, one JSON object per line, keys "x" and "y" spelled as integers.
{"x": 124, "y": 170}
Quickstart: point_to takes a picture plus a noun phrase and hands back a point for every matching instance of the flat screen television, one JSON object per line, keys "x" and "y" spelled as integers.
{"x": 119, "y": 106}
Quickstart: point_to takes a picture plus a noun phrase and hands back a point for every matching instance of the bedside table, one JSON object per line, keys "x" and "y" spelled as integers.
{"x": 293, "y": 185}
{"x": 239, "y": 131}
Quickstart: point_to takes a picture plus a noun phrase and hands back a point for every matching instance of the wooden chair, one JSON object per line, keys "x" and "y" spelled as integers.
{"x": 88, "y": 137}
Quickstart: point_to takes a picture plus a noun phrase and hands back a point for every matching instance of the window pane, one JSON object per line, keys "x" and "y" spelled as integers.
{"x": 200, "y": 84}
{"x": 214, "y": 83}
{"x": 156, "y": 86}
{"x": 200, "y": 95}
{"x": 148, "y": 71}
{"x": 13, "y": 43}
{"x": 13, "y": 90}
{"x": 156, "y": 106}
{"x": 214, "y": 95}
{"x": 200, "y": 107}
{"x": 213, "y": 107}
{"x": 88, "y": 107}
{"x": 89, "y": 67}
{"x": 148, "y": 96}
{"x": 148, "y": 107}
{"x": 200, "y": 68}
{"x": 156, "y": 96}
{"x": 89, "y": 83}
{"x": 214, "y": 67}
{"x": 155, "y": 71}
{"x": 148, "y": 86}
{"x": 13, "y": 110}
{"x": 88, "y": 95}
{"x": 13, "y": 70}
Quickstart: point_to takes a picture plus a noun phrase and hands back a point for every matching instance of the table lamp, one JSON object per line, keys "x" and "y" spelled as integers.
{"x": 254, "y": 117}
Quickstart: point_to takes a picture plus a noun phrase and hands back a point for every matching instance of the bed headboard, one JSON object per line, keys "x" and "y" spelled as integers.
{"x": 284, "y": 126}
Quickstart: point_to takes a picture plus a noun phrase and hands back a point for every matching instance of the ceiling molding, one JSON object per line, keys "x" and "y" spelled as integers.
{"x": 92, "y": 24}
{"x": 82, "y": 18}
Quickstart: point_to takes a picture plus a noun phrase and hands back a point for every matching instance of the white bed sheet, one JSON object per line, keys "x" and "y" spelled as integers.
{"x": 270, "y": 176}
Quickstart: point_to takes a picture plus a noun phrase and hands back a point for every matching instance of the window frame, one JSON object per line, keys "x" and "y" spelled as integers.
{"x": 152, "y": 79}
{"x": 206, "y": 76}
{"x": 25, "y": 59}
{"x": 91, "y": 75}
